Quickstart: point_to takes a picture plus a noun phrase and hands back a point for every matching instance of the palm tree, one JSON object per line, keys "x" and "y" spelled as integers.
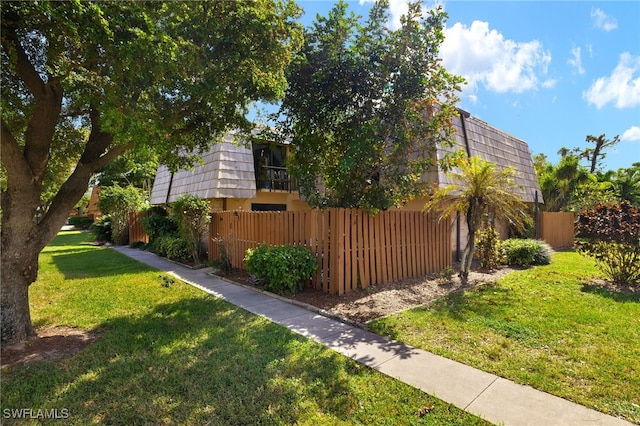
{"x": 480, "y": 191}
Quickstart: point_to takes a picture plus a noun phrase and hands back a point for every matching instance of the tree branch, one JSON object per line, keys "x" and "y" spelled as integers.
{"x": 24, "y": 68}
{"x": 12, "y": 158}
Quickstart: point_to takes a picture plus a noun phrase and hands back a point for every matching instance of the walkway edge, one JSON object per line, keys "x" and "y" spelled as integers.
{"x": 491, "y": 397}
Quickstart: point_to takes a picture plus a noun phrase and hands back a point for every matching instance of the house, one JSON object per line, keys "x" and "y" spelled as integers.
{"x": 236, "y": 177}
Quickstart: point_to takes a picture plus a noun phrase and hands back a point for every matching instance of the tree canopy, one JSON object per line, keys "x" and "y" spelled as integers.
{"x": 366, "y": 107}
{"x": 83, "y": 82}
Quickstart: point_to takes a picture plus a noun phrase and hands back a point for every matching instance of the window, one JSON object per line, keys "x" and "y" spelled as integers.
{"x": 259, "y": 207}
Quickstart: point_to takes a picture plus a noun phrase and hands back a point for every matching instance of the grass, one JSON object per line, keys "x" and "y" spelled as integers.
{"x": 544, "y": 327}
{"x": 171, "y": 354}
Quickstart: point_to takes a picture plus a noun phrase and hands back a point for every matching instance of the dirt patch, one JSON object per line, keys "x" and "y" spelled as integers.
{"x": 364, "y": 305}
{"x": 50, "y": 343}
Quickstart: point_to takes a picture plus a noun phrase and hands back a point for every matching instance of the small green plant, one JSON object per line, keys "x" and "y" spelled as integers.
{"x": 282, "y": 268}
{"x": 101, "y": 229}
{"x": 488, "y": 249}
{"x": 81, "y": 222}
{"x": 225, "y": 248}
{"x": 137, "y": 244}
{"x": 526, "y": 252}
{"x": 191, "y": 213}
{"x": 167, "y": 281}
{"x": 446, "y": 275}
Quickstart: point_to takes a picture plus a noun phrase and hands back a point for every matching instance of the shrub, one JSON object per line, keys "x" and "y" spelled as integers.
{"x": 101, "y": 229}
{"x": 610, "y": 234}
{"x": 171, "y": 247}
{"x": 225, "y": 248}
{"x": 526, "y": 252}
{"x": 158, "y": 223}
{"x": 192, "y": 216}
{"x": 118, "y": 202}
{"x": 137, "y": 244}
{"x": 282, "y": 268}
{"x": 488, "y": 249}
{"x": 81, "y": 222}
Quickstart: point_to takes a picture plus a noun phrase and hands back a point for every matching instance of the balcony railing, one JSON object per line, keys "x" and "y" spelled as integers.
{"x": 275, "y": 179}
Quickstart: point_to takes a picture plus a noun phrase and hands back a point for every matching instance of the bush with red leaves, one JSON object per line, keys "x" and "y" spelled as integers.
{"x": 610, "y": 234}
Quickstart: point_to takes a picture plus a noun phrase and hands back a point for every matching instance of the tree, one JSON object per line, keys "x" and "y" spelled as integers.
{"x": 562, "y": 184}
{"x": 480, "y": 192}
{"x": 626, "y": 183}
{"x": 367, "y": 106}
{"x": 595, "y": 155}
{"x": 101, "y": 78}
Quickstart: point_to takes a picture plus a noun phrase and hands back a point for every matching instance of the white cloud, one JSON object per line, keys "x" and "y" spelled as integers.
{"x": 549, "y": 84}
{"x": 602, "y": 21}
{"x": 484, "y": 56}
{"x": 575, "y": 60}
{"x": 622, "y": 87}
{"x": 631, "y": 134}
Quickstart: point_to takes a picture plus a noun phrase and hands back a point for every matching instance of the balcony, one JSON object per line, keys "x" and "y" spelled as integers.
{"x": 271, "y": 178}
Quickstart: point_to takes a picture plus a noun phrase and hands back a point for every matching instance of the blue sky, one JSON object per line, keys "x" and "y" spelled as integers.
{"x": 547, "y": 72}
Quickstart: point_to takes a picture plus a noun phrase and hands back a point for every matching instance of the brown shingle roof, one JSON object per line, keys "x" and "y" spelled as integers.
{"x": 497, "y": 147}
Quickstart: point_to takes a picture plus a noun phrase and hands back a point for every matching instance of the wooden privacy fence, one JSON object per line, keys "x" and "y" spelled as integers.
{"x": 136, "y": 233}
{"x": 353, "y": 249}
{"x": 557, "y": 228}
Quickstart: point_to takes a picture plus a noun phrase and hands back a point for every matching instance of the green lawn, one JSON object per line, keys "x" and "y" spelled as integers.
{"x": 175, "y": 355}
{"x": 543, "y": 327}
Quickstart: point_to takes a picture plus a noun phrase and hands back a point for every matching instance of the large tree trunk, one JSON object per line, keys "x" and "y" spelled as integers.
{"x": 17, "y": 274}
{"x": 23, "y": 238}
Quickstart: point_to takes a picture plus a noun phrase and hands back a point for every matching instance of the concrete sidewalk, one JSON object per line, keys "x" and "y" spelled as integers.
{"x": 486, "y": 395}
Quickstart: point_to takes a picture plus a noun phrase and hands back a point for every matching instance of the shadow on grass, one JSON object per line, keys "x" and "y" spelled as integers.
{"x": 197, "y": 361}
{"x": 618, "y": 295}
{"x": 70, "y": 238}
{"x": 82, "y": 262}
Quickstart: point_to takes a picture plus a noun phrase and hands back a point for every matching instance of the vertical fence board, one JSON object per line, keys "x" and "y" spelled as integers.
{"x": 136, "y": 233}
{"x": 557, "y": 228}
{"x": 352, "y": 248}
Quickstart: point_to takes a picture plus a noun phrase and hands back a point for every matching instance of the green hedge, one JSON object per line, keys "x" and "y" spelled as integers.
{"x": 282, "y": 268}
{"x": 80, "y": 222}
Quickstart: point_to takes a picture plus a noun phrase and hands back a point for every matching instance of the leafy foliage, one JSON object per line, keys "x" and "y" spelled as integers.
{"x": 118, "y": 202}
{"x": 482, "y": 193}
{"x": 360, "y": 109}
{"x": 561, "y": 184}
{"x": 80, "y": 222}
{"x": 174, "y": 248}
{"x": 488, "y": 249}
{"x": 101, "y": 229}
{"x": 610, "y": 234}
{"x": 225, "y": 248}
{"x": 526, "y": 252}
{"x": 283, "y": 268}
{"x": 158, "y": 222}
{"x": 192, "y": 216}
{"x": 137, "y": 167}
{"x": 83, "y": 82}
